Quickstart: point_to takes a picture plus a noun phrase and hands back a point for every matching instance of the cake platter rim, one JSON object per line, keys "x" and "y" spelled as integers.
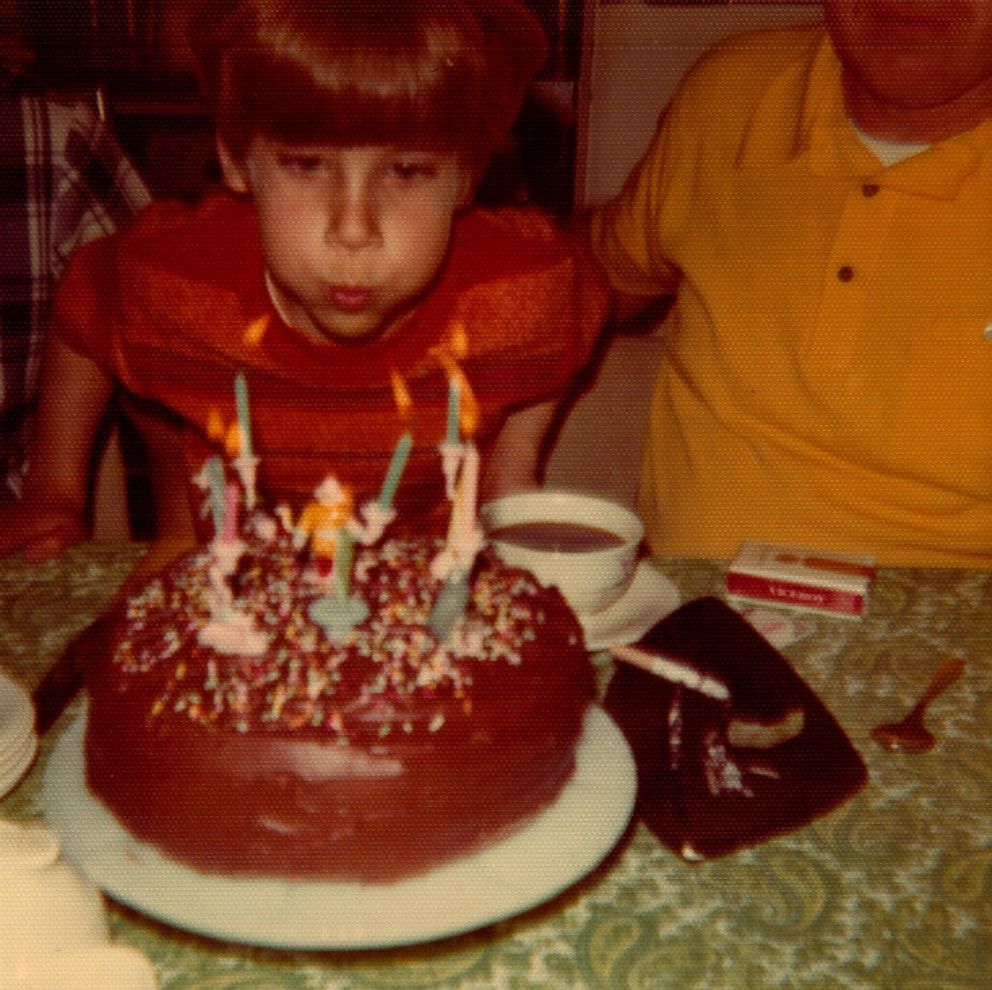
{"x": 487, "y": 887}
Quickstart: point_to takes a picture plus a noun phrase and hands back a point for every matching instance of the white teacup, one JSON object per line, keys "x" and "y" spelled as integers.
{"x": 581, "y": 543}
{"x": 53, "y": 927}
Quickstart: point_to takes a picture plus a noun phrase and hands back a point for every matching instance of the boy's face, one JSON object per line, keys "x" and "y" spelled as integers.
{"x": 352, "y": 237}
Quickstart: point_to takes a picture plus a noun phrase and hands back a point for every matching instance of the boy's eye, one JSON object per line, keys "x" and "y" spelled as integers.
{"x": 409, "y": 171}
{"x": 303, "y": 165}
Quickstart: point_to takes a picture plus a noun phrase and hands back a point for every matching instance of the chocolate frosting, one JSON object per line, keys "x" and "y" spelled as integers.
{"x": 368, "y": 760}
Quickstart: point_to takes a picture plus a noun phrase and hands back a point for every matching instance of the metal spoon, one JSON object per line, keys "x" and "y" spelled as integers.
{"x": 910, "y": 734}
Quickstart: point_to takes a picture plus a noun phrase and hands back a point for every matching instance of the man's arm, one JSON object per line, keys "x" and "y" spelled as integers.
{"x": 638, "y": 314}
{"x": 629, "y": 311}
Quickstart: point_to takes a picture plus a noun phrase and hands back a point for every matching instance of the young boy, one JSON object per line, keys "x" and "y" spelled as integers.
{"x": 350, "y": 135}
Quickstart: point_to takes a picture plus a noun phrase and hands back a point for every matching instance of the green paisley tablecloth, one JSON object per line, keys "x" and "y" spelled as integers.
{"x": 891, "y": 890}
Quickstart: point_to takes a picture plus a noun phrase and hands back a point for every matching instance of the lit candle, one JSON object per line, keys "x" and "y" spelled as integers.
{"x": 396, "y": 466}
{"x": 213, "y": 471}
{"x": 449, "y": 354}
{"x": 454, "y": 525}
{"x": 469, "y": 483}
{"x": 464, "y": 508}
{"x": 451, "y": 435}
{"x": 239, "y": 444}
{"x": 215, "y": 478}
{"x": 404, "y": 445}
{"x": 231, "y": 513}
{"x": 244, "y": 414}
{"x": 454, "y": 564}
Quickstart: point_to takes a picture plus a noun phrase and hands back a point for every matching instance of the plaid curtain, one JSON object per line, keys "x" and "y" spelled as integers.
{"x": 63, "y": 181}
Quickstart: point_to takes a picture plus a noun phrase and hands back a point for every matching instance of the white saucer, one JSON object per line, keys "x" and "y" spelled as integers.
{"x": 13, "y": 749}
{"x": 16, "y": 714}
{"x": 16, "y": 763}
{"x": 14, "y": 757}
{"x": 556, "y": 849}
{"x": 650, "y": 597}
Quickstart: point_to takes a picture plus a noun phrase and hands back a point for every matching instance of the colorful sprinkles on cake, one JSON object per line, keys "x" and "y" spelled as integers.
{"x": 306, "y": 682}
{"x": 230, "y": 637}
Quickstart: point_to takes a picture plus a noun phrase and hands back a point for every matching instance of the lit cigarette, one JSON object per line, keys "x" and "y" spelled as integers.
{"x": 672, "y": 670}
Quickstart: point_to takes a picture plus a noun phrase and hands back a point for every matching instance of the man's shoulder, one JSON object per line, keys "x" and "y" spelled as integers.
{"x": 769, "y": 50}
{"x": 744, "y": 64}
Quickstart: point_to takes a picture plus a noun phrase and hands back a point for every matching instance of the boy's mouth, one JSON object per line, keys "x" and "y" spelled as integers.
{"x": 350, "y": 298}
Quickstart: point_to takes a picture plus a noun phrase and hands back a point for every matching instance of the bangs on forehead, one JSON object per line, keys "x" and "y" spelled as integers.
{"x": 446, "y": 74}
{"x": 399, "y": 105}
{"x": 392, "y": 88}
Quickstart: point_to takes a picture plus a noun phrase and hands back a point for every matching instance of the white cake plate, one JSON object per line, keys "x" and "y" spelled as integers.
{"x": 556, "y": 849}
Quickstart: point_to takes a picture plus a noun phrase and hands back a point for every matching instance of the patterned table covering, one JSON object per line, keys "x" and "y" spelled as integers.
{"x": 891, "y": 890}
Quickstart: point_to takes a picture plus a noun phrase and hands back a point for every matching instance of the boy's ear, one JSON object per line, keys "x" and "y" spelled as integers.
{"x": 235, "y": 175}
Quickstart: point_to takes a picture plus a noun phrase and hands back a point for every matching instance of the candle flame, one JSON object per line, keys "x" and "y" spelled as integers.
{"x": 458, "y": 339}
{"x": 215, "y": 425}
{"x": 255, "y": 330}
{"x": 448, "y": 355}
{"x": 232, "y": 440}
{"x": 468, "y": 409}
{"x": 401, "y": 394}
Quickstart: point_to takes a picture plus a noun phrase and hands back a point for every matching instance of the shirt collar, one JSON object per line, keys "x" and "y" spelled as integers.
{"x": 810, "y": 92}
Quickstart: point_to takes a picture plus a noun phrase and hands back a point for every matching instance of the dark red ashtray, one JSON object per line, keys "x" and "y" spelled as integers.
{"x": 702, "y": 796}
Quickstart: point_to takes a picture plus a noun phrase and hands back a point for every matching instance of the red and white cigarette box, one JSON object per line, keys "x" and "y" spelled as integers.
{"x": 810, "y": 580}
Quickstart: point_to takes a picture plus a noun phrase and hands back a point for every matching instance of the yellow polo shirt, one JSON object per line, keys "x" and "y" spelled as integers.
{"x": 827, "y": 374}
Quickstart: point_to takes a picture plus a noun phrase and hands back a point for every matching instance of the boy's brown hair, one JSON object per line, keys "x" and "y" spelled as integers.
{"x": 447, "y": 74}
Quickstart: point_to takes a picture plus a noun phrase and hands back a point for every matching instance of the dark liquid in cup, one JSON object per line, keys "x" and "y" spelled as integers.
{"x": 557, "y": 536}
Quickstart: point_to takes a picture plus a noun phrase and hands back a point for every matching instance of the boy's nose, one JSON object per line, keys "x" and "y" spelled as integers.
{"x": 353, "y": 221}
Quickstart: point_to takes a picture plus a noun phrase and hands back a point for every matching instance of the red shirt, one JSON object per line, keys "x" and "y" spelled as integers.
{"x": 164, "y": 308}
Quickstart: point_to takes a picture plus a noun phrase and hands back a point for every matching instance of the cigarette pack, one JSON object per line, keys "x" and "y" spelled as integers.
{"x": 810, "y": 580}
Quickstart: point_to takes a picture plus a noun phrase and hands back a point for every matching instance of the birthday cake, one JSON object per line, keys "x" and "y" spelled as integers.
{"x": 257, "y": 713}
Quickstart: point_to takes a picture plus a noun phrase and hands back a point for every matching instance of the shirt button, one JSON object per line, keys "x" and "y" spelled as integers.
{"x": 845, "y": 273}
{"x": 869, "y": 189}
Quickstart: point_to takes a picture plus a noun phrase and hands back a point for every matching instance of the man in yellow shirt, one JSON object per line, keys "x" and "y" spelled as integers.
{"x": 821, "y": 201}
